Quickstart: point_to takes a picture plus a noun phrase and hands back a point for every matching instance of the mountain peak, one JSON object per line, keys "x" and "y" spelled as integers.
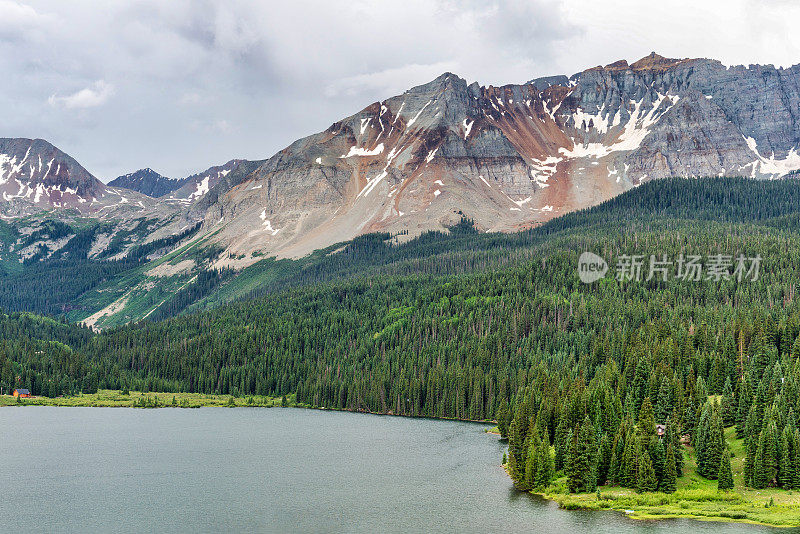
{"x": 653, "y": 61}
{"x": 446, "y": 80}
{"x": 34, "y": 172}
{"x": 146, "y": 181}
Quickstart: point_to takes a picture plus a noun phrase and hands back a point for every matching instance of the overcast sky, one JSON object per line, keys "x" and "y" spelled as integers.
{"x": 182, "y": 85}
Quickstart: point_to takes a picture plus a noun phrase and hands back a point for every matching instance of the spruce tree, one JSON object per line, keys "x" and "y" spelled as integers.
{"x": 709, "y": 442}
{"x": 728, "y": 404}
{"x": 672, "y": 437}
{"x": 769, "y": 460}
{"x": 646, "y": 423}
{"x": 561, "y": 444}
{"x": 743, "y": 403}
{"x": 786, "y": 471}
{"x": 629, "y": 467}
{"x": 582, "y": 469}
{"x": 503, "y": 415}
{"x": 725, "y": 475}
{"x": 751, "y": 444}
{"x": 646, "y": 479}
{"x": 796, "y": 459}
{"x": 669, "y": 480}
{"x": 531, "y": 463}
{"x": 615, "y": 474}
{"x": 603, "y": 460}
{"x": 545, "y": 465}
{"x": 572, "y": 465}
{"x": 664, "y": 402}
{"x": 516, "y": 451}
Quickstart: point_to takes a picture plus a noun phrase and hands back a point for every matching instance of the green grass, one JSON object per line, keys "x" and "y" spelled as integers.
{"x": 135, "y": 399}
{"x": 243, "y": 283}
{"x": 695, "y": 498}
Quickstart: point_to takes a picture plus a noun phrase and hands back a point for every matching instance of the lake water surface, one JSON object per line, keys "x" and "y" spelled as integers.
{"x": 271, "y": 470}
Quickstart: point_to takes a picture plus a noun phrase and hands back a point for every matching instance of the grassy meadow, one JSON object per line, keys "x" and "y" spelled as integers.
{"x": 137, "y": 399}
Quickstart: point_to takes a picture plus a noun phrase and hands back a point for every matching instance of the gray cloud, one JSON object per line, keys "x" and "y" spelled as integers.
{"x": 185, "y": 84}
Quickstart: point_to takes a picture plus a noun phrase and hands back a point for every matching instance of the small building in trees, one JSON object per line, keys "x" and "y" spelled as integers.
{"x": 661, "y": 430}
{"x": 21, "y": 393}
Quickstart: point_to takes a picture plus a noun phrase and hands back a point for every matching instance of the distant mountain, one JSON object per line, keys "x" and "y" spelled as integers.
{"x": 508, "y": 158}
{"x": 512, "y": 157}
{"x": 194, "y": 187}
{"x": 186, "y": 190}
{"x": 52, "y": 207}
{"x": 34, "y": 173}
{"x": 148, "y": 182}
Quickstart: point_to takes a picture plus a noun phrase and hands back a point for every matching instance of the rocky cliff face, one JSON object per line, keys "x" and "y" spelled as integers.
{"x": 508, "y": 157}
{"x": 513, "y": 156}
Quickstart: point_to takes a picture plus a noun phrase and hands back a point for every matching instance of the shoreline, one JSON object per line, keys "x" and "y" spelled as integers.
{"x": 111, "y": 398}
{"x": 655, "y": 506}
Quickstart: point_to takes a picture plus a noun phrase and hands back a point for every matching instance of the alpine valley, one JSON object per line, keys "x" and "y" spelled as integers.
{"x": 422, "y": 258}
{"x": 505, "y": 158}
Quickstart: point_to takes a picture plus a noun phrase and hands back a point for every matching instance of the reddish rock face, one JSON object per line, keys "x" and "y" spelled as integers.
{"x": 514, "y": 156}
{"x": 508, "y": 157}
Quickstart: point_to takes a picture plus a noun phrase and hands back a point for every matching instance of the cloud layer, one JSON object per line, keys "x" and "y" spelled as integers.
{"x": 182, "y": 85}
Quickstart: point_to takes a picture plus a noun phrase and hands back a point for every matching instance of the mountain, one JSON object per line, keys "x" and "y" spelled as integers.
{"x": 508, "y": 158}
{"x": 186, "y": 190}
{"x": 53, "y": 208}
{"x": 148, "y": 182}
{"x": 34, "y": 173}
{"x": 511, "y": 157}
{"x": 194, "y": 187}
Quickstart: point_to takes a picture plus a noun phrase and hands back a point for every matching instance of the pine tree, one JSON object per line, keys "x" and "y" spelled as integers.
{"x": 709, "y": 442}
{"x": 646, "y": 479}
{"x": 603, "y": 460}
{"x": 646, "y": 423}
{"x": 728, "y": 404}
{"x": 725, "y": 475}
{"x": 545, "y": 463}
{"x": 503, "y": 415}
{"x": 672, "y": 437}
{"x": 561, "y": 444}
{"x": 669, "y": 480}
{"x": 787, "y": 475}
